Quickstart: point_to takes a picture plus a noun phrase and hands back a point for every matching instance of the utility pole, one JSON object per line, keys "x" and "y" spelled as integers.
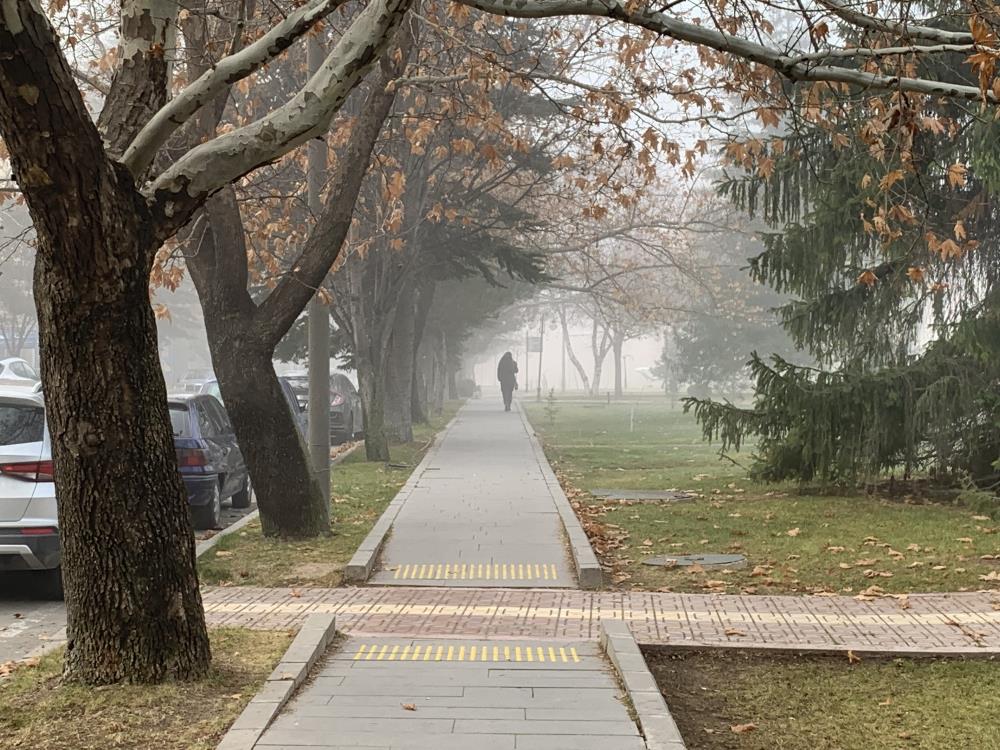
{"x": 319, "y": 317}
{"x": 541, "y": 344}
{"x": 527, "y": 350}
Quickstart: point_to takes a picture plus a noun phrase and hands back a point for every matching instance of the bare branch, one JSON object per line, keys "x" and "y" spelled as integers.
{"x": 211, "y": 83}
{"x": 912, "y": 31}
{"x": 770, "y": 57}
{"x": 211, "y": 165}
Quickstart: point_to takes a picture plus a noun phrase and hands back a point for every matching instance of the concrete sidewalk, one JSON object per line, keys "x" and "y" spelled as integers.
{"x": 404, "y": 694}
{"x": 480, "y": 513}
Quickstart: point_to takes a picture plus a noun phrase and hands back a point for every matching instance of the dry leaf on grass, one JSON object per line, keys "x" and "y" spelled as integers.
{"x": 743, "y": 728}
{"x": 793, "y": 532}
{"x": 853, "y": 658}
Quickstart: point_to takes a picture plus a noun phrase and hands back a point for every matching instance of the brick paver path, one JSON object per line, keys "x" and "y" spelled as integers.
{"x": 416, "y": 694}
{"x": 480, "y": 512}
{"x": 923, "y": 624}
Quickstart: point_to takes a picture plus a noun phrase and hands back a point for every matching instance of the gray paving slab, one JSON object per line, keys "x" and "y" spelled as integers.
{"x": 480, "y": 514}
{"x": 381, "y": 693}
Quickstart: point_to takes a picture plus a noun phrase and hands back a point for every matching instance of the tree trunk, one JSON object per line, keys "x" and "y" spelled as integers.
{"x": 617, "y": 342}
{"x": 371, "y": 380}
{"x": 600, "y": 350}
{"x": 568, "y": 344}
{"x": 291, "y": 503}
{"x": 134, "y": 611}
{"x": 418, "y": 397}
{"x": 399, "y": 373}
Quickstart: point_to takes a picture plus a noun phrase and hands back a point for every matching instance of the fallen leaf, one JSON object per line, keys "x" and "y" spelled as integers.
{"x": 743, "y": 728}
{"x": 886, "y": 702}
{"x": 853, "y": 658}
{"x": 734, "y": 631}
{"x": 793, "y": 532}
{"x": 409, "y": 707}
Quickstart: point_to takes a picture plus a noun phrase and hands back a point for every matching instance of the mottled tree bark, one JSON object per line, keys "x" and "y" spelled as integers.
{"x": 291, "y": 503}
{"x": 133, "y": 606}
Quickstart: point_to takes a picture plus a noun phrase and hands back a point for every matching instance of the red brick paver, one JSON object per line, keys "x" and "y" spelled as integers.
{"x": 967, "y": 623}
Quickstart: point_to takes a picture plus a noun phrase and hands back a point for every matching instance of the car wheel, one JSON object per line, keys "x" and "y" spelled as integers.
{"x": 209, "y": 516}
{"x": 244, "y": 497}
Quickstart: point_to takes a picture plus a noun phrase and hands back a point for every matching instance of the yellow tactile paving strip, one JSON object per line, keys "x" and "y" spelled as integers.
{"x": 431, "y": 652}
{"x": 475, "y": 572}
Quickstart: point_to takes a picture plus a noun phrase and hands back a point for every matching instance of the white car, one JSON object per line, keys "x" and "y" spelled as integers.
{"x": 29, "y": 524}
{"x": 16, "y": 373}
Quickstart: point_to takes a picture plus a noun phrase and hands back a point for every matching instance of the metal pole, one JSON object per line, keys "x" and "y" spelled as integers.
{"x": 541, "y": 344}
{"x": 319, "y": 317}
{"x": 527, "y": 369}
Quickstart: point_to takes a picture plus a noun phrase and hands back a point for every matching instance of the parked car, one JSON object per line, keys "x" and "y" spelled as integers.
{"x": 16, "y": 373}
{"x": 193, "y": 380}
{"x": 346, "y": 416}
{"x": 29, "y": 525}
{"x": 210, "y": 461}
{"x": 298, "y": 412}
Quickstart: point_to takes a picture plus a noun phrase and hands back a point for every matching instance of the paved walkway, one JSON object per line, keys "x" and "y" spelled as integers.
{"x": 480, "y": 512}
{"x": 923, "y": 624}
{"x": 406, "y": 694}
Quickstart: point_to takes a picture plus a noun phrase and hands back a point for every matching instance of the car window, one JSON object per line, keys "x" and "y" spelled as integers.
{"x": 218, "y": 416}
{"x": 206, "y": 425}
{"x": 179, "y": 421}
{"x": 21, "y": 423}
{"x": 23, "y": 370}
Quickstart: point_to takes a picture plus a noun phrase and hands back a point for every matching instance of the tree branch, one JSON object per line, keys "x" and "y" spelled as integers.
{"x": 856, "y": 18}
{"x": 770, "y": 57}
{"x": 209, "y": 166}
{"x": 217, "y": 79}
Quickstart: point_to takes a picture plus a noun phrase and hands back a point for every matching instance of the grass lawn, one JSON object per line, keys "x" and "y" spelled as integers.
{"x": 794, "y": 542}
{"x": 360, "y": 491}
{"x": 826, "y": 703}
{"x": 38, "y": 711}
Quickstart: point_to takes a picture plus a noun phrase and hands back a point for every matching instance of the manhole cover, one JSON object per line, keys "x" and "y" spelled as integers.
{"x": 705, "y": 561}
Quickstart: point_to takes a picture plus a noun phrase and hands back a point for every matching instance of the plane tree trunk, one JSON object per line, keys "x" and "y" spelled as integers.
{"x": 133, "y": 606}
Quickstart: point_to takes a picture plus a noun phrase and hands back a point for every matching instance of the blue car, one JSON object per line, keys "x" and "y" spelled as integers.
{"x": 210, "y": 461}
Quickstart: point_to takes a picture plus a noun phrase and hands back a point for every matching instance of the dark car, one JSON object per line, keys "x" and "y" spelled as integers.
{"x": 210, "y": 461}
{"x": 298, "y": 412}
{"x": 346, "y": 417}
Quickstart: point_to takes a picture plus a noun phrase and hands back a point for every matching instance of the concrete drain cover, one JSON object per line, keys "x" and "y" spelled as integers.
{"x": 705, "y": 561}
{"x": 645, "y": 496}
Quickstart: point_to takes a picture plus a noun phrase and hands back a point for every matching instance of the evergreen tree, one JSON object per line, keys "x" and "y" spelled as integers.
{"x": 887, "y": 246}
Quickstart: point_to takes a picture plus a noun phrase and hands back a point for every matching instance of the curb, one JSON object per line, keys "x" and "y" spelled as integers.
{"x": 588, "y": 569}
{"x": 309, "y": 645}
{"x": 206, "y": 544}
{"x": 362, "y": 562}
{"x": 651, "y": 710}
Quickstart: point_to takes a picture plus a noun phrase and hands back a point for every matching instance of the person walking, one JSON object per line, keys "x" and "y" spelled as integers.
{"x": 507, "y": 375}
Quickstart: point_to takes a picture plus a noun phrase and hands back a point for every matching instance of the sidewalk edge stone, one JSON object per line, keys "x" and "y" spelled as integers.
{"x": 655, "y": 721}
{"x": 588, "y": 569}
{"x": 362, "y": 562}
{"x": 311, "y": 642}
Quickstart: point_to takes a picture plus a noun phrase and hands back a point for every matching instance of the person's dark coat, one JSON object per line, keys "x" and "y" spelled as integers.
{"x": 507, "y": 371}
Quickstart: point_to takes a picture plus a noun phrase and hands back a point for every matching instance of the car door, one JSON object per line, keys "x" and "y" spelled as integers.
{"x": 208, "y": 429}
{"x": 236, "y": 468}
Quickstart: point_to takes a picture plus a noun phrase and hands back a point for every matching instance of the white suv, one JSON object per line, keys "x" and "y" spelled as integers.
{"x": 16, "y": 373}
{"x": 29, "y": 525}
